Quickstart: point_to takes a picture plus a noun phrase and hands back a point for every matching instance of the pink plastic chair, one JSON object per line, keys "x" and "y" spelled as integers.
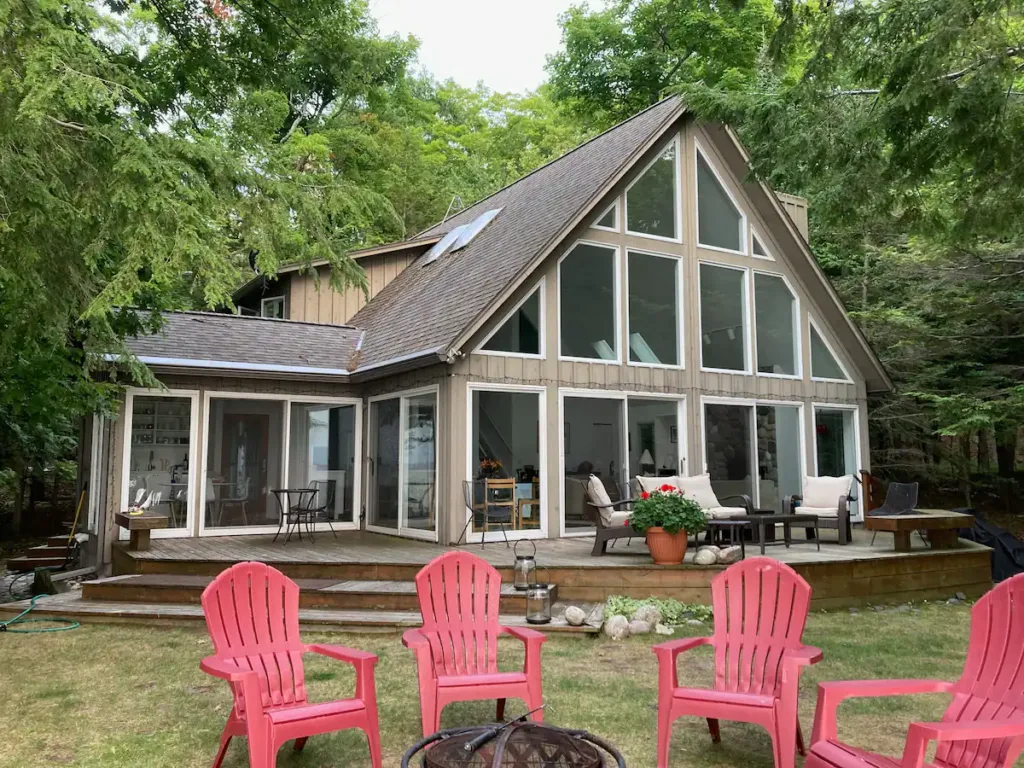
{"x": 252, "y": 612}
{"x": 760, "y": 610}
{"x": 457, "y": 647}
{"x": 983, "y": 726}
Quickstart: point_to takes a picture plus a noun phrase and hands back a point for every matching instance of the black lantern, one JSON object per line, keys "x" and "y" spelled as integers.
{"x": 538, "y": 601}
{"x": 525, "y": 571}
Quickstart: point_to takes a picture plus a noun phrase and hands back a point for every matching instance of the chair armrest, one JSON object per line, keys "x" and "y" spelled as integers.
{"x": 245, "y": 679}
{"x": 525, "y": 634}
{"x": 832, "y": 694}
{"x": 920, "y": 734}
{"x": 668, "y": 676}
{"x": 748, "y": 502}
{"x": 613, "y": 505}
{"x": 795, "y": 659}
{"x": 789, "y": 503}
{"x": 415, "y": 640}
{"x": 340, "y": 653}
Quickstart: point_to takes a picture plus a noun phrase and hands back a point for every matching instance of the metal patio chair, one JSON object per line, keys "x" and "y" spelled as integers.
{"x": 900, "y": 499}
{"x": 493, "y": 502}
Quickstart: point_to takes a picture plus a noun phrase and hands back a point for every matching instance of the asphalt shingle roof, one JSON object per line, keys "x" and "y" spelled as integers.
{"x": 428, "y": 307}
{"x": 212, "y": 337}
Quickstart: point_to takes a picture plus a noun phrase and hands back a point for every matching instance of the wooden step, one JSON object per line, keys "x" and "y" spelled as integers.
{"x": 314, "y": 593}
{"x": 73, "y": 605}
{"x": 27, "y": 563}
{"x": 57, "y": 541}
{"x": 49, "y": 551}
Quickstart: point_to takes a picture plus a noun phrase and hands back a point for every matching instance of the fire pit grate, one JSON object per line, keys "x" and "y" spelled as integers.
{"x": 513, "y": 745}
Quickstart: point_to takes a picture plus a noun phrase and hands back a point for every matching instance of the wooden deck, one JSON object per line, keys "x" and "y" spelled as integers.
{"x": 854, "y": 574}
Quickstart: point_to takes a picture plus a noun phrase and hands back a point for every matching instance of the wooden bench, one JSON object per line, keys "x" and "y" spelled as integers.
{"x": 942, "y": 526}
{"x": 139, "y": 526}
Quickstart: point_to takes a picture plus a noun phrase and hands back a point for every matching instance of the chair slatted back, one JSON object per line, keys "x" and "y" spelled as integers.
{"x": 459, "y": 594}
{"x": 992, "y": 684}
{"x": 760, "y": 608}
{"x": 252, "y": 613}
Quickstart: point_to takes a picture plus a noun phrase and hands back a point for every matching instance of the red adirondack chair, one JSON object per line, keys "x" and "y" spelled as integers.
{"x": 760, "y": 610}
{"x": 457, "y": 647}
{"x": 983, "y": 726}
{"x": 252, "y": 612}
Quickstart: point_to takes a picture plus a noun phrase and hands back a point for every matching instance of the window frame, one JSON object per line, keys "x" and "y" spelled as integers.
{"x": 617, "y": 208}
{"x": 286, "y": 400}
{"x": 797, "y": 310}
{"x": 678, "y": 189}
{"x": 680, "y": 314}
{"x": 617, "y": 250}
{"x": 753, "y": 403}
{"x": 270, "y": 300}
{"x": 747, "y": 320}
{"x": 698, "y": 149}
{"x": 810, "y": 355}
{"x": 195, "y": 456}
{"x": 857, "y": 507}
{"x": 542, "y": 446}
{"x": 406, "y": 532}
{"x": 755, "y": 235}
{"x": 542, "y": 329}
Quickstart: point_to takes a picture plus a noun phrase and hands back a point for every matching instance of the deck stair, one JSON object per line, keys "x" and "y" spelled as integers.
{"x": 55, "y": 553}
{"x": 374, "y": 595}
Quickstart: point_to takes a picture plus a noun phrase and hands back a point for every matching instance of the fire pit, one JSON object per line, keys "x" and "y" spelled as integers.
{"x": 513, "y": 745}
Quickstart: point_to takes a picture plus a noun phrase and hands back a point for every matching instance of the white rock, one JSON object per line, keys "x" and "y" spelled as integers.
{"x": 709, "y": 548}
{"x": 705, "y": 557}
{"x": 617, "y": 627}
{"x": 575, "y": 616}
{"x": 639, "y": 628}
{"x": 648, "y": 613}
{"x": 729, "y": 555}
{"x": 695, "y": 622}
{"x": 661, "y": 629}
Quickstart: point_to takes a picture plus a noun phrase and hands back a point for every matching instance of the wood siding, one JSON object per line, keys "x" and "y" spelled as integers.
{"x": 312, "y": 299}
{"x": 796, "y": 207}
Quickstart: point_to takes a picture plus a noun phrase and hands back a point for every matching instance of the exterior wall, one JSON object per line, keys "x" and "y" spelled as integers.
{"x": 319, "y": 303}
{"x": 796, "y": 207}
{"x": 689, "y": 380}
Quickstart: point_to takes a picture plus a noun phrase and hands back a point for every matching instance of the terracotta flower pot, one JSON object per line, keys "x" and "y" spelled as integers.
{"x": 666, "y": 548}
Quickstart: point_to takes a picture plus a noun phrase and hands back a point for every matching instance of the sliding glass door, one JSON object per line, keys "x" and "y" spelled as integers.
{"x": 403, "y": 465}
{"x": 755, "y": 449}
{"x": 835, "y": 445}
{"x": 616, "y": 437}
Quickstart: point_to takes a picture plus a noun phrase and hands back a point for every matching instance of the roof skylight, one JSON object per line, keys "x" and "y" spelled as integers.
{"x": 443, "y": 244}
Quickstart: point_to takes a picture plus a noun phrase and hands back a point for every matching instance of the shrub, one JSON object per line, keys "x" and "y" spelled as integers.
{"x": 668, "y": 508}
{"x": 673, "y": 612}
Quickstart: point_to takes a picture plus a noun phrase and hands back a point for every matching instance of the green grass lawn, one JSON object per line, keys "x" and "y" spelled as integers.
{"x": 134, "y": 696}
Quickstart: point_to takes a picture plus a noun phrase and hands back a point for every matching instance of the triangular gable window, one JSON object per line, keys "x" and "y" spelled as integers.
{"x": 823, "y": 363}
{"x": 759, "y": 250}
{"x": 652, "y": 202}
{"x": 609, "y": 219}
{"x": 719, "y": 221}
{"x": 520, "y": 333}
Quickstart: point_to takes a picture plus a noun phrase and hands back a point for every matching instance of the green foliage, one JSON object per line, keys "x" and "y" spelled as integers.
{"x": 673, "y": 612}
{"x": 669, "y": 509}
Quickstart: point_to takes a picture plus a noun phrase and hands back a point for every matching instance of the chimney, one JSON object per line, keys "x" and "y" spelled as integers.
{"x": 796, "y": 207}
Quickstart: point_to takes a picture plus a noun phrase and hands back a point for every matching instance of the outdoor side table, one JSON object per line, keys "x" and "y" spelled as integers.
{"x": 943, "y": 527}
{"x": 139, "y": 526}
{"x": 761, "y": 522}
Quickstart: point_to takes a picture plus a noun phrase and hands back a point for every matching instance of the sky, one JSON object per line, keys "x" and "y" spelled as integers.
{"x": 501, "y": 43}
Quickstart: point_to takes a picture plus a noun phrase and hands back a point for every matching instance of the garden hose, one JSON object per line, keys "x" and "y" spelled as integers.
{"x": 65, "y": 624}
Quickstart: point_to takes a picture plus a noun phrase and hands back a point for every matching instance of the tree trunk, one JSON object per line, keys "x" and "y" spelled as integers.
{"x": 984, "y": 461}
{"x": 1006, "y": 457}
{"x": 19, "y": 499}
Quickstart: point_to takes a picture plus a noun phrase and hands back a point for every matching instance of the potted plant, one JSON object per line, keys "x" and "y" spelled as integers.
{"x": 668, "y": 517}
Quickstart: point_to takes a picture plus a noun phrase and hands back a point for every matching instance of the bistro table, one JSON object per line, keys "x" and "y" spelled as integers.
{"x": 942, "y": 527}
{"x": 762, "y": 521}
{"x": 294, "y": 515}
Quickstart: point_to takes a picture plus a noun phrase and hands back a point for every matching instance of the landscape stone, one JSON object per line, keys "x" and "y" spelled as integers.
{"x": 575, "y": 616}
{"x": 662, "y": 629}
{"x": 729, "y": 555}
{"x": 695, "y": 622}
{"x": 709, "y": 548}
{"x": 639, "y": 628}
{"x": 617, "y": 627}
{"x": 705, "y": 557}
{"x": 648, "y": 613}
{"x": 954, "y": 601}
{"x": 961, "y": 596}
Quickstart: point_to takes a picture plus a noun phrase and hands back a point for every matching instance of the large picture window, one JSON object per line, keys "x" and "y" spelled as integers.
{"x": 719, "y": 222}
{"x": 775, "y": 321}
{"x": 723, "y": 318}
{"x": 587, "y": 303}
{"x": 652, "y": 205}
{"x": 653, "y": 309}
{"x": 520, "y": 334}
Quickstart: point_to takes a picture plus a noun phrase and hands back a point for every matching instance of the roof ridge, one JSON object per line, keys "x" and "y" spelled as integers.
{"x": 206, "y": 313}
{"x": 564, "y": 155}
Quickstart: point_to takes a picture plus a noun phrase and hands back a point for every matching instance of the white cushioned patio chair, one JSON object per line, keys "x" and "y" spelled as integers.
{"x": 829, "y": 499}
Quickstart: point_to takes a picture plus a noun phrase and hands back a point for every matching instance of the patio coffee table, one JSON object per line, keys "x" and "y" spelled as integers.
{"x": 942, "y": 526}
{"x": 762, "y": 521}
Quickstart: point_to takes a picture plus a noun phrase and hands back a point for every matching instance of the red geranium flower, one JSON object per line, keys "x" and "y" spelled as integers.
{"x": 645, "y": 495}
{"x": 666, "y": 488}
